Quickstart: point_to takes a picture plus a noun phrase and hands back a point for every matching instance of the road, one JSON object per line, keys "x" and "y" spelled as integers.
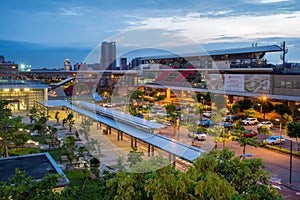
{"x": 278, "y": 164}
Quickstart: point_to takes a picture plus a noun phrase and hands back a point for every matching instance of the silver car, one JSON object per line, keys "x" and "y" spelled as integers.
{"x": 275, "y": 139}
{"x": 266, "y": 123}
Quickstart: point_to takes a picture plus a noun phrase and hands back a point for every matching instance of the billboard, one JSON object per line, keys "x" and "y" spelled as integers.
{"x": 256, "y": 83}
{"x": 234, "y": 82}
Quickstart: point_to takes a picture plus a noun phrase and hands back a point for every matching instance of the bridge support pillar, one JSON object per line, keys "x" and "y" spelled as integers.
{"x": 152, "y": 150}
{"x": 118, "y": 136}
{"x": 230, "y": 99}
{"x": 149, "y": 149}
{"x": 291, "y": 104}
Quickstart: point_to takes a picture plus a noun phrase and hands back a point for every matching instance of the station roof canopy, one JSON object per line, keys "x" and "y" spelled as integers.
{"x": 254, "y": 49}
{"x": 182, "y": 150}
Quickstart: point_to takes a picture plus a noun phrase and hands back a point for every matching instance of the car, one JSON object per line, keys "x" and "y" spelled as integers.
{"x": 275, "y": 139}
{"x": 227, "y": 125}
{"x": 250, "y": 121}
{"x": 265, "y": 123}
{"x": 198, "y": 136}
{"x": 229, "y": 118}
{"x": 207, "y": 114}
{"x": 206, "y": 123}
{"x": 249, "y": 133}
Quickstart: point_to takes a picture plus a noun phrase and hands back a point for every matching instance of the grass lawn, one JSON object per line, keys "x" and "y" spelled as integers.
{"x": 23, "y": 151}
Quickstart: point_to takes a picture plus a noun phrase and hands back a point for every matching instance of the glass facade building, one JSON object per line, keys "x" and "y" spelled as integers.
{"x": 22, "y": 94}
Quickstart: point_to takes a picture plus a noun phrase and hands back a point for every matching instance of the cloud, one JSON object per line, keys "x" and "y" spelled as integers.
{"x": 266, "y": 1}
{"x": 206, "y": 29}
{"x": 72, "y": 11}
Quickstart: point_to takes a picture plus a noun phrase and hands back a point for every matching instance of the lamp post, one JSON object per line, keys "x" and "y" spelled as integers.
{"x": 279, "y": 130}
{"x": 260, "y": 106}
{"x": 291, "y": 159}
{"x": 264, "y": 98}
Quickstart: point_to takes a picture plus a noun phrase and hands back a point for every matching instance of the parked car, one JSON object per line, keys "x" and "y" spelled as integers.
{"x": 275, "y": 139}
{"x": 207, "y": 114}
{"x": 265, "y": 123}
{"x": 250, "y": 121}
{"x": 229, "y": 118}
{"x": 249, "y": 133}
{"x": 227, "y": 125}
{"x": 198, "y": 136}
{"x": 206, "y": 123}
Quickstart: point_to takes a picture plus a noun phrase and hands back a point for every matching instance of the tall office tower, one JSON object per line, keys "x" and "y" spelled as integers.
{"x": 108, "y": 56}
{"x": 123, "y": 64}
{"x": 1, "y": 59}
{"x": 136, "y": 62}
{"x": 67, "y": 64}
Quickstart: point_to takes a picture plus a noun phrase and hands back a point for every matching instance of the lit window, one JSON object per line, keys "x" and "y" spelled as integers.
{"x": 16, "y": 89}
{"x": 26, "y": 89}
{"x": 6, "y": 90}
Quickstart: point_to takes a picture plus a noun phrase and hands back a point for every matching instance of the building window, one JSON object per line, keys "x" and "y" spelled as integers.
{"x": 296, "y": 85}
{"x": 288, "y": 84}
{"x": 282, "y": 84}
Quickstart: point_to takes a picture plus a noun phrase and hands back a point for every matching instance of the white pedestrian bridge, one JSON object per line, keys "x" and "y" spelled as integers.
{"x": 134, "y": 127}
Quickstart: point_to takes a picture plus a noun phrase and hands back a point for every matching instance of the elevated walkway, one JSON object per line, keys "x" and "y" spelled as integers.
{"x": 135, "y": 130}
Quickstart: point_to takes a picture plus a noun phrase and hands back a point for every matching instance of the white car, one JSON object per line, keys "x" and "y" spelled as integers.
{"x": 207, "y": 114}
{"x": 266, "y": 123}
{"x": 250, "y": 121}
{"x": 198, "y": 136}
{"x": 275, "y": 139}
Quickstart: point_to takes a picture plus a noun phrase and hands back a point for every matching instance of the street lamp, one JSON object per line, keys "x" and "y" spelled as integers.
{"x": 260, "y": 106}
{"x": 291, "y": 159}
{"x": 279, "y": 130}
{"x": 264, "y": 98}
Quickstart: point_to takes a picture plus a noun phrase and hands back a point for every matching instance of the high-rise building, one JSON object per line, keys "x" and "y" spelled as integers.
{"x": 123, "y": 64}
{"x": 108, "y": 56}
{"x": 67, "y": 64}
{"x": 8, "y": 69}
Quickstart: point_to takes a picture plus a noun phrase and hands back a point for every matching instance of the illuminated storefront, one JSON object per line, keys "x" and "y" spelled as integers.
{"x": 22, "y": 94}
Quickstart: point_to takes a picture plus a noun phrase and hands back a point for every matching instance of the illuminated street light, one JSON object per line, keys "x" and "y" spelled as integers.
{"x": 264, "y": 99}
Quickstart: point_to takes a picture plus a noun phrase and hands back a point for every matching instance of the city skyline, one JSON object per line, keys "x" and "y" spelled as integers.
{"x": 44, "y": 33}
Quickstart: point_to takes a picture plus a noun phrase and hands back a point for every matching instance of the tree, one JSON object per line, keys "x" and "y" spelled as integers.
{"x": 235, "y": 108}
{"x": 33, "y": 114}
{"x": 281, "y": 109}
{"x": 57, "y": 117}
{"x": 244, "y": 141}
{"x": 135, "y": 157}
{"x": 64, "y": 121}
{"x": 244, "y": 104}
{"x": 70, "y": 120}
{"x": 264, "y": 130}
{"x": 251, "y": 113}
{"x": 214, "y": 175}
{"x": 174, "y": 115}
{"x": 9, "y": 128}
{"x": 21, "y": 186}
{"x": 70, "y": 148}
{"x": 293, "y": 130}
{"x": 264, "y": 106}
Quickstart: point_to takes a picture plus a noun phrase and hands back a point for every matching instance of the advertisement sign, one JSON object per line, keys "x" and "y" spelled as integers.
{"x": 234, "y": 82}
{"x": 257, "y": 83}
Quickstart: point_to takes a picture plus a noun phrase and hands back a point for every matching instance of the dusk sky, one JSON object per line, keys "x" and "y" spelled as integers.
{"x": 44, "y": 32}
